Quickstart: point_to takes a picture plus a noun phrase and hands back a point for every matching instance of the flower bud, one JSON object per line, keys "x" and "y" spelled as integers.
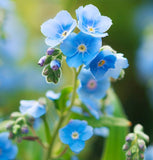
{"x": 24, "y": 130}
{"x": 50, "y": 51}
{"x": 20, "y": 120}
{"x": 42, "y": 61}
{"x": 129, "y": 153}
{"x": 141, "y": 144}
{"x": 126, "y": 146}
{"x": 15, "y": 115}
{"x": 9, "y": 125}
{"x": 55, "y": 65}
{"x": 130, "y": 137}
{"x": 11, "y": 135}
{"x": 138, "y": 127}
{"x": 16, "y": 129}
{"x": 142, "y": 156}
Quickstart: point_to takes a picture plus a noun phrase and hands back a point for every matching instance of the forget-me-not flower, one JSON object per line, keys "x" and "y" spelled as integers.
{"x": 90, "y": 87}
{"x": 104, "y": 61}
{"x": 75, "y": 133}
{"x": 102, "y": 131}
{"x": 148, "y": 153}
{"x": 108, "y": 64}
{"x": 8, "y": 151}
{"x": 58, "y": 28}
{"x": 32, "y": 107}
{"x": 80, "y": 49}
{"x": 91, "y": 22}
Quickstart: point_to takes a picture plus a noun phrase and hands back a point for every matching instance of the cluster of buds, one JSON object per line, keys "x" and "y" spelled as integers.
{"x": 18, "y": 126}
{"x": 52, "y": 62}
{"x": 136, "y": 144}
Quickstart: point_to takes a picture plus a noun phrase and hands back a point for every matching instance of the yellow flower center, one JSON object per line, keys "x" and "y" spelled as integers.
{"x": 75, "y": 135}
{"x": 64, "y": 33}
{"x": 82, "y": 48}
{"x": 91, "y": 29}
{"x": 101, "y": 63}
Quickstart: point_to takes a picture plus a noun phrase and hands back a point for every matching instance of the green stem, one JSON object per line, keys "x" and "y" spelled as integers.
{"x": 47, "y": 130}
{"x": 64, "y": 114}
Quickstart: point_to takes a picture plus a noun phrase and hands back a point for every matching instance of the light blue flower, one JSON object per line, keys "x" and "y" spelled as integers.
{"x": 80, "y": 49}
{"x": 93, "y": 106}
{"x": 104, "y": 61}
{"x": 52, "y": 95}
{"x": 55, "y": 65}
{"x": 91, "y": 88}
{"x": 75, "y": 133}
{"x": 149, "y": 153}
{"x": 58, "y": 28}
{"x": 32, "y": 107}
{"x": 91, "y": 22}
{"x": 102, "y": 131}
{"x": 8, "y": 151}
{"x": 77, "y": 109}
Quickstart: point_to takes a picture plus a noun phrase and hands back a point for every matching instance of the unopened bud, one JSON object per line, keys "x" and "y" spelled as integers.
{"x": 16, "y": 129}
{"x": 9, "y": 125}
{"x": 141, "y": 144}
{"x": 42, "y": 61}
{"x": 15, "y": 115}
{"x": 24, "y": 129}
{"x": 138, "y": 127}
{"x": 20, "y": 120}
{"x": 55, "y": 65}
{"x": 50, "y": 51}
{"x": 126, "y": 146}
{"x": 130, "y": 137}
{"x": 129, "y": 153}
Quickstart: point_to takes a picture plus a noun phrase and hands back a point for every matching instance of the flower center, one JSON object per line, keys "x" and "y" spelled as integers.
{"x": 82, "y": 48}
{"x": 92, "y": 84}
{"x": 101, "y": 63}
{"x": 64, "y": 33}
{"x": 75, "y": 135}
{"x": 91, "y": 29}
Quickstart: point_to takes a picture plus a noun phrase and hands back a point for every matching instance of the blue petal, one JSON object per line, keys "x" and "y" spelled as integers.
{"x": 87, "y": 133}
{"x": 69, "y": 46}
{"x": 51, "y": 42}
{"x": 52, "y": 95}
{"x": 74, "y": 61}
{"x": 25, "y": 105}
{"x": 77, "y": 146}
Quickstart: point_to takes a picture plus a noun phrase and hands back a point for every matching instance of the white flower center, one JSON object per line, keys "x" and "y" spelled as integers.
{"x": 82, "y": 48}
{"x": 92, "y": 84}
{"x": 75, "y": 135}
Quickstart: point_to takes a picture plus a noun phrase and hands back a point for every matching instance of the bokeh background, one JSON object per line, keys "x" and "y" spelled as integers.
{"x": 22, "y": 44}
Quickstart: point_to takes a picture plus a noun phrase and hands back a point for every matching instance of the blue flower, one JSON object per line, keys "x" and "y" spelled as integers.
{"x": 108, "y": 64}
{"x": 58, "y": 29}
{"x": 75, "y": 133}
{"x": 93, "y": 106}
{"x": 104, "y": 61}
{"x": 91, "y": 88}
{"x": 80, "y": 49}
{"x": 52, "y": 95}
{"x": 149, "y": 153}
{"x": 103, "y": 131}
{"x": 109, "y": 109}
{"x": 7, "y": 149}
{"x": 91, "y": 22}
{"x": 32, "y": 107}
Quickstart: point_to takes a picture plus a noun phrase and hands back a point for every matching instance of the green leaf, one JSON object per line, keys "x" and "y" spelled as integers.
{"x": 116, "y": 139}
{"x": 103, "y": 121}
{"x": 48, "y": 59}
{"x": 4, "y": 124}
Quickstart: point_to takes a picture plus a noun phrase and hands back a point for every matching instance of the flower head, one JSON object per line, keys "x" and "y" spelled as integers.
{"x": 52, "y": 95}
{"x": 108, "y": 64}
{"x": 91, "y": 22}
{"x": 7, "y": 149}
{"x": 42, "y": 61}
{"x": 91, "y": 87}
{"x": 75, "y": 134}
{"x": 32, "y": 107}
{"x": 80, "y": 49}
{"x": 58, "y": 28}
{"x": 104, "y": 61}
